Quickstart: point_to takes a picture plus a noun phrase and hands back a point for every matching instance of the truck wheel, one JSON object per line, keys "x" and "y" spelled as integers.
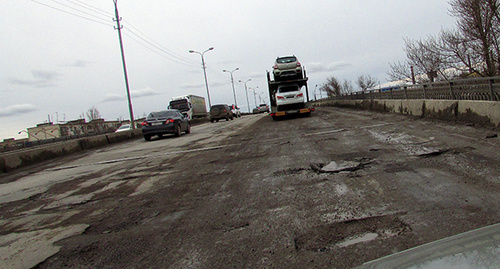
{"x": 147, "y": 137}
{"x": 212, "y": 120}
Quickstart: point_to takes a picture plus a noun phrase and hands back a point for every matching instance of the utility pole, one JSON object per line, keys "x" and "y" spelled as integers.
{"x": 246, "y": 92}
{"x": 232, "y": 82}
{"x": 204, "y": 72}
{"x": 119, "y": 28}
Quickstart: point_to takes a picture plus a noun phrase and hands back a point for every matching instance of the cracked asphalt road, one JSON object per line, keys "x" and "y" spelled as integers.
{"x": 333, "y": 190}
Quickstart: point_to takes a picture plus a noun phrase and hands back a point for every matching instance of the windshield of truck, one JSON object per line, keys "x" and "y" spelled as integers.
{"x": 181, "y": 105}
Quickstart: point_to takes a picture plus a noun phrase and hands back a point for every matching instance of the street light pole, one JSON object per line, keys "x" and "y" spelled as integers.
{"x": 254, "y": 99}
{"x": 232, "y": 82}
{"x": 246, "y": 92}
{"x": 204, "y": 72}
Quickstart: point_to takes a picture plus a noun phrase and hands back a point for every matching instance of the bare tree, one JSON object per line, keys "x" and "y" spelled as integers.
{"x": 399, "y": 71}
{"x": 347, "y": 87}
{"x": 332, "y": 87}
{"x": 93, "y": 114}
{"x": 426, "y": 58}
{"x": 475, "y": 44}
{"x": 366, "y": 82}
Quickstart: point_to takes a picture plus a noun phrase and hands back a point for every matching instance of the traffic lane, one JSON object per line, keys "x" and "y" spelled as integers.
{"x": 266, "y": 206}
{"x": 203, "y": 137}
{"x": 261, "y": 199}
{"x": 39, "y": 202}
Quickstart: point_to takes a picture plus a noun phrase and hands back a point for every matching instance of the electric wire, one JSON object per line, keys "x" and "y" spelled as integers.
{"x": 166, "y": 50}
{"x": 78, "y": 10}
{"x": 148, "y": 42}
{"x": 128, "y": 34}
{"x": 90, "y": 7}
{"x": 73, "y": 14}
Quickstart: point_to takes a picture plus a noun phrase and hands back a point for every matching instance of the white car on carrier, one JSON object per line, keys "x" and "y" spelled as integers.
{"x": 289, "y": 96}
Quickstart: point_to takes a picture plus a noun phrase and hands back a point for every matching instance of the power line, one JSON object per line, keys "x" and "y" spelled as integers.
{"x": 166, "y": 50}
{"x": 73, "y": 14}
{"x": 175, "y": 58}
{"x": 90, "y": 7}
{"x": 79, "y": 10}
{"x": 94, "y": 14}
{"x": 155, "y": 51}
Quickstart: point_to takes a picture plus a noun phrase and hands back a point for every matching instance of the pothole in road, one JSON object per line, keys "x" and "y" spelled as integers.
{"x": 350, "y": 232}
{"x": 340, "y": 166}
{"x": 438, "y": 152}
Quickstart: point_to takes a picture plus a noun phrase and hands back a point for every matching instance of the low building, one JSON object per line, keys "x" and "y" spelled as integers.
{"x": 79, "y": 127}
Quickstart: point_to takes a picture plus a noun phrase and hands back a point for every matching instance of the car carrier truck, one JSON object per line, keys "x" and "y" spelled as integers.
{"x": 191, "y": 105}
{"x": 287, "y": 96}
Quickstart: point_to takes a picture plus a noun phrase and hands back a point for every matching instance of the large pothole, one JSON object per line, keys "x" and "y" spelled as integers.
{"x": 350, "y": 232}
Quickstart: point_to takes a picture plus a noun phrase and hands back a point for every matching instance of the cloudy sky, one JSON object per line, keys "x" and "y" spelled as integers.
{"x": 61, "y": 57}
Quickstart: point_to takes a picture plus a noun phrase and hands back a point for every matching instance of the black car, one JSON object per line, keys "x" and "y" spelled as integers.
{"x": 218, "y": 112}
{"x": 165, "y": 122}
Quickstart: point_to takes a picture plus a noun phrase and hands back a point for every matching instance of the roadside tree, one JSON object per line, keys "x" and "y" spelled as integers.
{"x": 366, "y": 82}
{"x": 93, "y": 114}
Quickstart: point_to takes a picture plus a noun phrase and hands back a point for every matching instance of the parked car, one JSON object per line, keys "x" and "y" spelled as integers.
{"x": 169, "y": 121}
{"x": 289, "y": 95}
{"x": 287, "y": 67}
{"x": 236, "y": 111}
{"x": 262, "y": 108}
{"x": 218, "y": 112}
{"x": 123, "y": 128}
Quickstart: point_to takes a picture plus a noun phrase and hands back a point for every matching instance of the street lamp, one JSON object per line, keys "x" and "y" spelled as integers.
{"x": 254, "y": 99}
{"x": 232, "y": 82}
{"x": 246, "y": 92}
{"x": 204, "y": 71}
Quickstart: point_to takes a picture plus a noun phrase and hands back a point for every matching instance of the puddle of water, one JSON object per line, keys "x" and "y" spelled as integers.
{"x": 360, "y": 239}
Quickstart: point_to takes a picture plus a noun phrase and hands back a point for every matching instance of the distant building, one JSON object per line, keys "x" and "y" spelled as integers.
{"x": 71, "y": 128}
{"x": 11, "y": 143}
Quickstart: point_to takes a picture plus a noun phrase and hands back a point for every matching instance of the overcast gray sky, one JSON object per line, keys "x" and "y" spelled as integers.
{"x": 62, "y": 57}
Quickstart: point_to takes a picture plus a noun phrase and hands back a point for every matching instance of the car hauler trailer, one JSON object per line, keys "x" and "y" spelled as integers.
{"x": 191, "y": 105}
{"x": 304, "y": 107}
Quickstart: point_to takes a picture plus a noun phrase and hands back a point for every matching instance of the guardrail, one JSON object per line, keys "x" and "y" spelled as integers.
{"x": 478, "y": 89}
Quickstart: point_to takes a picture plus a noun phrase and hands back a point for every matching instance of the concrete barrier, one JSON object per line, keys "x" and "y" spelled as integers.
{"x": 481, "y": 113}
{"x": 19, "y": 158}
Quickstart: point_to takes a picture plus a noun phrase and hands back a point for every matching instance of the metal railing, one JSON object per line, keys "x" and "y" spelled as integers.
{"x": 478, "y": 89}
